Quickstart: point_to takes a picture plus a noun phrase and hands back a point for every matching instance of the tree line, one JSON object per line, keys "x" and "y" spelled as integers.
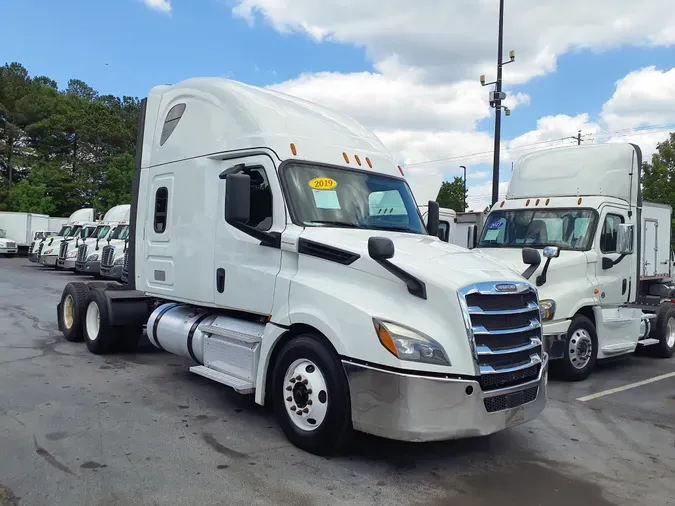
{"x": 62, "y": 150}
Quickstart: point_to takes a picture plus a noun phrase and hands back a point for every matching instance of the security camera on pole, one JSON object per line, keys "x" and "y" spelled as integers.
{"x": 496, "y": 98}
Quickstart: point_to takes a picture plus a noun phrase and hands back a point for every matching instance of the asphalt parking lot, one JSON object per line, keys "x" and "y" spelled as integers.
{"x": 80, "y": 429}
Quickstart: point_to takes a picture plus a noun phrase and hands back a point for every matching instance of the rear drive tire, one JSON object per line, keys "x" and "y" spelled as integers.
{"x": 664, "y": 331}
{"x": 314, "y": 411}
{"x": 581, "y": 350}
{"x": 73, "y": 306}
{"x": 99, "y": 336}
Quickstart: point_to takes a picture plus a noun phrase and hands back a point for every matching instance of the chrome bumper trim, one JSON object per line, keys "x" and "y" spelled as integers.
{"x": 411, "y": 407}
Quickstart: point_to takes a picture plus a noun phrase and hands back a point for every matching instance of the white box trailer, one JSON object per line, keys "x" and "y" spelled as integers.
{"x": 22, "y": 227}
{"x": 657, "y": 258}
{"x": 468, "y": 228}
{"x": 55, "y": 223}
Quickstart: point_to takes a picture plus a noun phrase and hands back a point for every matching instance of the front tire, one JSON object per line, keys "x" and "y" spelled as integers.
{"x": 581, "y": 350}
{"x": 665, "y": 331}
{"x": 311, "y": 396}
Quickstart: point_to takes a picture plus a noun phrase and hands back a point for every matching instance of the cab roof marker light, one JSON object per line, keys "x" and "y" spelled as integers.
{"x": 369, "y": 162}
{"x": 537, "y": 202}
{"x": 547, "y": 201}
{"x": 527, "y": 203}
{"x": 401, "y": 171}
{"x": 293, "y": 150}
{"x": 358, "y": 160}
{"x": 579, "y": 201}
{"x": 502, "y": 204}
{"x": 344, "y": 155}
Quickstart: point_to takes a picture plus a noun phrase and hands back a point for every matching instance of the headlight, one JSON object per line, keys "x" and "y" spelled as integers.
{"x": 547, "y": 309}
{"x": 48, "y": 252}
{"x": 92, "y": 258}
{"x": 408, "y": 344}
{"x": 72, "y": 254}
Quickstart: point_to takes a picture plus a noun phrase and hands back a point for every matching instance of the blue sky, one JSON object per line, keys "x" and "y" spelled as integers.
{"x": 124, "y": 47}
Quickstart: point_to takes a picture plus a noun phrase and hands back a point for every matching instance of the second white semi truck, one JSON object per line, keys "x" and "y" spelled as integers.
{"x": 87, "y": 260}
{"x": 48, "y": 250}
{"x": 253, "y": 253}
{"x": 608, "y": 285}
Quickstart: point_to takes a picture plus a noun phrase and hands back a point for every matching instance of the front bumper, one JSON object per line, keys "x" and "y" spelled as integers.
{"x": 67, "y": 263}
{"x": 409, "y": 407}
{"x": 114, "y": 272}
{"x": 90, "y": 267}
{"x": 9, "y": 251}
{"x": 555, "y": 336}
{"x": 49, "y": 260}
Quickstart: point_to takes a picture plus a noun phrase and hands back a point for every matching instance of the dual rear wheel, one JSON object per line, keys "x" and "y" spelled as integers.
{"x": 84, "y": 316}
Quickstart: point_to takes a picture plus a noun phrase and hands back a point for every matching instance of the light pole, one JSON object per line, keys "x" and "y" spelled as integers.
{"x": 464, "y": 192}
{"x": 496, "y": 98}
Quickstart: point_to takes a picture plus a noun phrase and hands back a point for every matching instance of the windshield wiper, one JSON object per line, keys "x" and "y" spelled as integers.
{"x": 392, "y": 228}
{"x": 343, "y": 224}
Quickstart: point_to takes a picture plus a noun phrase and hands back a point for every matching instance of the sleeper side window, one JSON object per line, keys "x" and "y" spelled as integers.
{"x": 161, "y": 208}
{"x": 172, "y": 118}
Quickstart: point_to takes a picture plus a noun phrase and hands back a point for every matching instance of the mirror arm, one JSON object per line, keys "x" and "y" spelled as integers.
{"x": 541, "y": 279}
{"x": 614, "y": 262}
{"x": 415, "y": 286}
{"x": 530, "y": 270}
{"x": 272, "y": 239}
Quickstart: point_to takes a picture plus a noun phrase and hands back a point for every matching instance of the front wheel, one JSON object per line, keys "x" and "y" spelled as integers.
{"x": 311, "y": 396}
{"x": 665, "y": 331}
{"x": 581, "y": 350}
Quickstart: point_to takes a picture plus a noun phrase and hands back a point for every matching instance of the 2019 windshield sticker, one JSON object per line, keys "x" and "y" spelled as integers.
{"x": 322, "y": 183}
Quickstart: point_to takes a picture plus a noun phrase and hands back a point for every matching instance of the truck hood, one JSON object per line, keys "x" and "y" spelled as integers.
{"x": 426, "y": 257}
{"x": 558, "y": 269}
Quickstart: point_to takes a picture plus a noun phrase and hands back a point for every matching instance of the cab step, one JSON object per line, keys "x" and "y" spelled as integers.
{"x": 239, "y": 385}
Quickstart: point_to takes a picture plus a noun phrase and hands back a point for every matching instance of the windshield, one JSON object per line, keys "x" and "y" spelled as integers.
{"x": 65, "y": 229}
{"x": 3, "y": 234}
{"x": 88, "y": 232}
{"x": 121, "y": 232}
{"x": 569, "y": 229}
{"x": 74, "y": 231}
{"x": 322, "y": 196}
{"x": 101, "y": 231}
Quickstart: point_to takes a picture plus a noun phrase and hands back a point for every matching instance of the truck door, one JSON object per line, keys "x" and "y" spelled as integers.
{"x": 613, "y": 282}
{"x": 244, "y": 271}
{"x": 650, "y": 248}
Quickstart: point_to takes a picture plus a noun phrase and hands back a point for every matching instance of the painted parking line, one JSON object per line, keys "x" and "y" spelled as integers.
{"x": 626, "y": 387}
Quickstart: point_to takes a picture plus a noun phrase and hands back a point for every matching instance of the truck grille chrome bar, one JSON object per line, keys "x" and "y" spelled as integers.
{"x": 82, "y": 253}
{"x": 63, "y": 250}
{"x": 108, "y": 256}
{"x": 504, "y": 331}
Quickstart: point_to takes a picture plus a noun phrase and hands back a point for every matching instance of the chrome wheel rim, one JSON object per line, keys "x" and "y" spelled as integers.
{"x": 580, "y": 348}
{"x": 670, "y": 333}
{"x": 93, "y": 320}
{"x": 305, "y": 395}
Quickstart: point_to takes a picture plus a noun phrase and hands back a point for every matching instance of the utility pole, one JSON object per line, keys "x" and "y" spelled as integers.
{"x": 464, "y": 192}
{"x": 496, "y": 98}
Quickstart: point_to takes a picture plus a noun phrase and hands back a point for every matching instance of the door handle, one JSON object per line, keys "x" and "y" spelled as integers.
{"x": 220, "y": 280}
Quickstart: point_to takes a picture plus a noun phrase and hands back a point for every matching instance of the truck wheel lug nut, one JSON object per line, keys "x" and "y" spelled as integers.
{"x": 309, "y": 402}
{"x": 289, "y": 388}
{"x": 304, "y": 381}
{"x": 309, "y": 392}
{"x": 298, "y": 377}
{"x": 292, "y": 408}
{"x": 289, "y": 399}
{"x": 306, "y": 410}
{"x": 298, "y": 412}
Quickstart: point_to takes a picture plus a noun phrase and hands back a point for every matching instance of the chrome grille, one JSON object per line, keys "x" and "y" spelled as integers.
{"x": 506, "y": 334}
{"x": 40, "y": 249}
{"x": 63, "y": 250}
{"x": 82, "y": 253}
{"x": 11, "y": 244}
{"x": 32, "y": 247}
{"x": 108, "y": 256}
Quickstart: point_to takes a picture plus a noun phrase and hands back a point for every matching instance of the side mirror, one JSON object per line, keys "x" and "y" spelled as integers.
{"x": 624, "y": 239}
{"x": 471, "y": 239}
{"x": 551, "y": 252}
{"x": 433, "y": 218}
{"x": 380, "y": 248}
{"x": 237, "y": 198}
{"x": 532, "y": 258}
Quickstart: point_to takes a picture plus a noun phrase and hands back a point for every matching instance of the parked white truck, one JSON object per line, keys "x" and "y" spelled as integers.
{"x": 610, "y": 287}
{"x": 80, "y": 225}
{"x": 87, "y": 258}
{"x": 22, "y": 228}
{"x": 253, "y": 253}
{"x": 113, "y": 253}
{"x": 8, "y": 247}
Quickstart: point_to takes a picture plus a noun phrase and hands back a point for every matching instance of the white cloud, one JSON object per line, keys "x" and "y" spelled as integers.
{"x": 643, "y": 97}
{"x": 159, "y": 5}
{"x": 456, "y": 39}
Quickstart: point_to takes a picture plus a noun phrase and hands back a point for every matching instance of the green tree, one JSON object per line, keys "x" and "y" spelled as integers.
{"x": 658, "y": 176}
{"x": 452, "y": 195}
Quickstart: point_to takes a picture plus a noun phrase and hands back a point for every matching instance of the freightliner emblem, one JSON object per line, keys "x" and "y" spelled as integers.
{"x": 506, "y": 287}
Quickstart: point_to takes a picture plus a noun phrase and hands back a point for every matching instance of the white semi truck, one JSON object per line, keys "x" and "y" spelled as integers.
{"x": 8, "y": 247}
{"x": 254, "y": 254}
{"x": 113, "y": 253}
{"x": 79, "y": 223}
{"x": 86, "y": 259}
{"x": 610, "y": 287}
